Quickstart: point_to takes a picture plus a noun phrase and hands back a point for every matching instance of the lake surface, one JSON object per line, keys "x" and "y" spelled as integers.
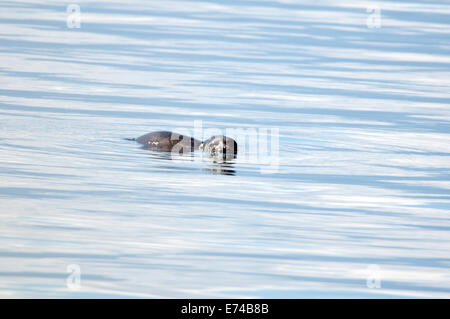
{"x": 353, "y": 203}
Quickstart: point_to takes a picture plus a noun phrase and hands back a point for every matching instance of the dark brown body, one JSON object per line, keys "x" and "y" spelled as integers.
{"x": 168, "y": 141}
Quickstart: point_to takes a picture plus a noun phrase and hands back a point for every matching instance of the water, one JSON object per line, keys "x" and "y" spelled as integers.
{"x": 357, "y": 207}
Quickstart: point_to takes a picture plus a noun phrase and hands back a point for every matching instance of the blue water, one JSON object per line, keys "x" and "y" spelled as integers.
{"x": 357, "y": 204}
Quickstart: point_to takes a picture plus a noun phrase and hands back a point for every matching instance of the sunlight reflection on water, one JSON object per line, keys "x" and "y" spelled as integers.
{"x": 364, "y": 121}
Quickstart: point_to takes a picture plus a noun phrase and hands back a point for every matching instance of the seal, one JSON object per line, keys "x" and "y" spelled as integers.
{"x": 166, "y": 141}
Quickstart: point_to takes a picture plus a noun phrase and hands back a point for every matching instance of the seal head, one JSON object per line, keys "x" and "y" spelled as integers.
{"x": 219, "y": 145}
{"x": 168, "y": 142}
